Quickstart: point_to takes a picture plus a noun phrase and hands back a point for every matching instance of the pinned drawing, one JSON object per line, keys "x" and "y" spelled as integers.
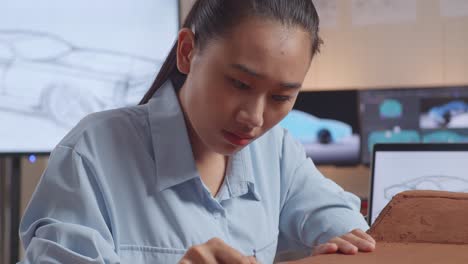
{"x": 369, "y": 12}
{"x": 453, "y": 8}
{"x": 328, "y": 12}
{"x": 45, "y": 75}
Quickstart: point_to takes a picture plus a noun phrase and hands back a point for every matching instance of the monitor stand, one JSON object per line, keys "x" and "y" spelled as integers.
{"x": 10, "y": 195}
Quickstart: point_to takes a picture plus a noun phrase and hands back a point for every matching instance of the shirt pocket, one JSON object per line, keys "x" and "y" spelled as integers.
{"x": 132, "y": 254}
{"x": 266, "y": 252}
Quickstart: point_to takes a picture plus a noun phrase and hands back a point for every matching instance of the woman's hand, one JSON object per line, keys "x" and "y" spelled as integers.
{"x": 350, "y": 243}
{"x": 213, "y": 252}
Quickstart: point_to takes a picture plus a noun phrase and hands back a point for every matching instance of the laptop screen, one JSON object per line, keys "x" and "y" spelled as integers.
{"x": 402, "y": 167}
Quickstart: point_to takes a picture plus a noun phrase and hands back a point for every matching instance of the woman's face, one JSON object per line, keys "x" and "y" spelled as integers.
{"x": 241, "y": 85}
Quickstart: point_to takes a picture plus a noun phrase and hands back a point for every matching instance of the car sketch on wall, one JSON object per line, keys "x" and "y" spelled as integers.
{"x": 433, "y": 183}
{"x": 324, "y": 140}
{"x": 45, "y": 75}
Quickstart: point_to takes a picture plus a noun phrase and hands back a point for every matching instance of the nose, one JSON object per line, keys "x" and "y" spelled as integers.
{"x": 251, "y": 114}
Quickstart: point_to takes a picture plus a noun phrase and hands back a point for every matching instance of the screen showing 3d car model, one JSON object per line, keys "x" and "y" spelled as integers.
{"x": 397, "y": 171}
{"x": 326, "y": 123}
{"x": 61, "y": 60}
{"x": 429, "y": 115}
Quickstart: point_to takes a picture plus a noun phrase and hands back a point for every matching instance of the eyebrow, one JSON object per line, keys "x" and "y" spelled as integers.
{"x": 253, "y": 73}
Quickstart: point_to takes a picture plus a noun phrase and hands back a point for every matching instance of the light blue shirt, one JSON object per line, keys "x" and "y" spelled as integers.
{"x": 122, "y": 187}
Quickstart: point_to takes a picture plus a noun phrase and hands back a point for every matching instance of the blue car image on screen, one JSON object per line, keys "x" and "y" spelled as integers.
{"x": 443, "y": 114}
{"x": 396, "y": 135}
{"x": 308, "y": 128}
{"x": 325, "y": 140}
{"x": 390, "y": 109}
{"x": 444, "y": 137}
{"x": 44, "y": 75}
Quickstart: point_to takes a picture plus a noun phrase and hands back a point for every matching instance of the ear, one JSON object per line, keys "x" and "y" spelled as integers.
{"x": 185, "y": 50}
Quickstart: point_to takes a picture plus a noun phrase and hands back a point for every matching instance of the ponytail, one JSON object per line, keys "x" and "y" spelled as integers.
{"x": 167, "y": 72}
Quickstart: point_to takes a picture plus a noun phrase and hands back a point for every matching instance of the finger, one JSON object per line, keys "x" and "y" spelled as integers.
{"x": 360, "y": 243}
{"x": 224, "y": 253}
{"x": 344, "y": 246}
{"x": 198, "y": 254}
{"x": 252, "y": 260}
{"x": 363, "y": 235}
{"x": 327, "y": 248}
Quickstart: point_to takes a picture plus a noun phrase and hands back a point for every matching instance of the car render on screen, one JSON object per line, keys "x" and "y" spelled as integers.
{"x": 444, "y": 114}
{"x": 43, "y": 74}
{"x": 391, "y": 109}
{"x": 310, "y": 129}
{"x": 397, "y": 135}
{"x": 324, "y": 140}
{"x": 444, "y": 137}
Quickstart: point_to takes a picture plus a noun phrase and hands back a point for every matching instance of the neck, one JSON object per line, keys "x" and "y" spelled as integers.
{"x": 201, "y": 153}
{"x": 211, "y": 165}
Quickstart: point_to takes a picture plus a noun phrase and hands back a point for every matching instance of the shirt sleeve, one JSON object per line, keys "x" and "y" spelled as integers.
{"x": 314, "y": 208}
{"x": 67, "y": 220}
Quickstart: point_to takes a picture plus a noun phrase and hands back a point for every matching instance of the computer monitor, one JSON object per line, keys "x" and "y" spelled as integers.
{"x": 61, "y": 60}
{"x": 326, "y": 123}
{"x": 412, "y": 115}
{"x": 421, "y": 166}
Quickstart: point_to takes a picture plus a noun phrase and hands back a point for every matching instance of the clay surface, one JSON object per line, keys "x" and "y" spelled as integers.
{"x": 398, "y": 253}
{"x": 429, "y": 227}
{"x": 424, "y": 216}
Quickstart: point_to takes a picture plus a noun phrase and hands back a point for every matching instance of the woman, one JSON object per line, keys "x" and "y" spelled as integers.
{"x": 199, "y": 173}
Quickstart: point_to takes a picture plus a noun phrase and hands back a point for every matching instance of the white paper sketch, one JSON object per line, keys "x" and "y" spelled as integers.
{"x": 369, "y": 12}
{"x": 43, "y": 74}
{"x": 434, "y": 183}
{"x": 327, "y": 11}
{"x": 453, "y": 8}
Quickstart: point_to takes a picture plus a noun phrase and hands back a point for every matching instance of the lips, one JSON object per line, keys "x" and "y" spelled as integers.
{"x": 237, "y": 138}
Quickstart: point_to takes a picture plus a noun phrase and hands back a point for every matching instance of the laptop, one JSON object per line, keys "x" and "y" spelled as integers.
{"x": 402, "y": 167}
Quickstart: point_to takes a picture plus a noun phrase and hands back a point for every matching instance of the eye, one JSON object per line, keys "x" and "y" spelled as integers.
{"x": 238, "y": 84}
{"x": 281, "y": 98}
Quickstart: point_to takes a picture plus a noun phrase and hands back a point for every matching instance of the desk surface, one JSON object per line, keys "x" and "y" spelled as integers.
{"x": 352, "y": 179}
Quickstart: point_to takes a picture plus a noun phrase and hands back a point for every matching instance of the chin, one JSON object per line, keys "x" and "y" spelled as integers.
{"x": 228, "y": 149}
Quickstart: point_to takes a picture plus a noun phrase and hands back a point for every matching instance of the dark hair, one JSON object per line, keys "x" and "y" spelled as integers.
{"x": 214, "y": 18}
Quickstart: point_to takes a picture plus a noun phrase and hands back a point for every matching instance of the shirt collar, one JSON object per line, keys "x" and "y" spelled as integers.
{"x": 171, "y": 145}
{"x": 240, "y": 178}
{"x": 173, "y": 154}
